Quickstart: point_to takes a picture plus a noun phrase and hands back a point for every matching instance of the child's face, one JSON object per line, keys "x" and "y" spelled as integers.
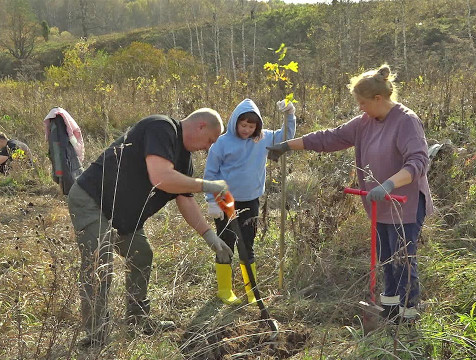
{"x": 245, "y": 129}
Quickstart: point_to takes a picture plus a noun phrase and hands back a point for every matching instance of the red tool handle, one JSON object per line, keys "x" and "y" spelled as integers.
{"x": 373, "y": 232}
{"x": 399, "y": 198}
{"x": 373, "y": 251}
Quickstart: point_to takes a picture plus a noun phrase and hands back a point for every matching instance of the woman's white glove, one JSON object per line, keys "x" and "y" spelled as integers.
{"x": 286, "y": 108}
{"x": 214, "y": 211}
{"x": 224, "y": 253}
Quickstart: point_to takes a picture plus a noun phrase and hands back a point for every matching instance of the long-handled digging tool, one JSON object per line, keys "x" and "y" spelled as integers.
{"x": 226, "y": 202}
{"x": 371, "y": 309}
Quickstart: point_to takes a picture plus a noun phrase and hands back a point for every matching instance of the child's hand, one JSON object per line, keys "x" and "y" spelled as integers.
{"x": 286, "y": 108}
{"x": 214, "y": 211}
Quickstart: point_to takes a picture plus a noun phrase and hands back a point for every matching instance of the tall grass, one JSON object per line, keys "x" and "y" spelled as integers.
{"x": 327, "y": 234}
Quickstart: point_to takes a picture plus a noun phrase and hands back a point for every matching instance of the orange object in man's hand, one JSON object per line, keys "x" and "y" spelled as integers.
{"x": 226, "y": 202}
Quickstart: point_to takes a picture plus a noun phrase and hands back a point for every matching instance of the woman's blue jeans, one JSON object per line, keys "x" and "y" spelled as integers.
{"x": 396, "y": 249}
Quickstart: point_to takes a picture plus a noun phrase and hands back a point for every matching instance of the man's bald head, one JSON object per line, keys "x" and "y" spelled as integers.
{"x": 210, "y": 116}
{"x": 201, "y": 129}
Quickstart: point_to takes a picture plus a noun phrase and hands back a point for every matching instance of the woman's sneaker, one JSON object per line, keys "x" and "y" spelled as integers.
{"x": 408, "y": 315}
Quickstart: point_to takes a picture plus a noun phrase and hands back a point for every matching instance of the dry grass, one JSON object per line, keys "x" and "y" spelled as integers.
{"x": 326, "y": 262}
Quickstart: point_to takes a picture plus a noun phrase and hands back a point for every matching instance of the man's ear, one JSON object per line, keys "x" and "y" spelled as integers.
{"x": 202, "y": 125}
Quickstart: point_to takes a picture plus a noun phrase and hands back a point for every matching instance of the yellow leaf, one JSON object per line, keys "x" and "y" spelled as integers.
{"x": 280, "y": 48}
{"x": 290, "y": 98}
{"x": 293, "y": 66}
{"x": 283, "y": 55}
{"x": 270, "y": 67}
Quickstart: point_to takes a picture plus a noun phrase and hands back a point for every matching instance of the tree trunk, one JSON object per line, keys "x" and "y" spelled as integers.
{"x": 218, "y": 47}
{"x": 395, "y": 43}
{"x": 470, "y": 34}
{"x": 199, "y": 46}
{"x": 359, "y": 43}
{"x": 191, "y": 37}
{"x": 232, "y": 59}
{"x": 243, "y": 44}
{"x": 404, "y": 39}
{"x": 215, "y": 43}
{"x": 201, "y": 42}
{"x": 83, "y": 8}
{"x": 254, "y": 47}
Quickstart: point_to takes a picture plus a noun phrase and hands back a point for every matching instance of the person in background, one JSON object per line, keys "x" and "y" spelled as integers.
{"x": 11, "y": 150}
{"x": 131, "y": 180}
{"x": 390, "y": 141}
{"x": 239, "y": 157}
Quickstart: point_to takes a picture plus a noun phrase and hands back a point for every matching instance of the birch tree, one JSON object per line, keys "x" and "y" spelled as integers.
{"x": 404, "y": 37}
{"x": 232, "y": 56}
{"x": 470, "y": 34}
{"x": 216, "y": 44}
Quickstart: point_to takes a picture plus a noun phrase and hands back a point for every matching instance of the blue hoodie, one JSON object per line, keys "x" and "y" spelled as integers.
{"x": 242, "y": 162}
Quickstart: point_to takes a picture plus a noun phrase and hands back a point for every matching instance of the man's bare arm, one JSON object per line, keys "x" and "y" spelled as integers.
{"x": 163, "y": 176}
{"x": 192, "y": 214}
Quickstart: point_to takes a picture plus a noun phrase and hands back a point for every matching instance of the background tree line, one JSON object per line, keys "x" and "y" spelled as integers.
{"x": 96, "y": 17}
{"x": 232, "y": 36}
{"x": 428, "y": 43}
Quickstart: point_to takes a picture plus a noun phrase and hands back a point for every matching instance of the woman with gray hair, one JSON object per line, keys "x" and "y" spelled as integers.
{"x": 390, "y": 142}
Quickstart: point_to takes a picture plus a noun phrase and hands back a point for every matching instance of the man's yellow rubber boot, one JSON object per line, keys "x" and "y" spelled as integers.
{"x": 246, "y": 280}
{"x": 225, "y": 293}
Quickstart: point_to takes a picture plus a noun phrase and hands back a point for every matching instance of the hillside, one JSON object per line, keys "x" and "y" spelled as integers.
{"x": 332, "y": 40}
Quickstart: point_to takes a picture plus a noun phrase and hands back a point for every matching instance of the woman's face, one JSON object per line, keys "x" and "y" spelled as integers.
{"x": 245, "y": 129}
{"x": 371, "y": 106}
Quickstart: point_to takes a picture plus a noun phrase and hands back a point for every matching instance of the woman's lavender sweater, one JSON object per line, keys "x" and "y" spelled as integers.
{"x": 383, "y": 148}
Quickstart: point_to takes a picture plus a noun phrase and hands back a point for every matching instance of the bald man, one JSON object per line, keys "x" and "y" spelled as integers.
{"x": 132, "y": 180}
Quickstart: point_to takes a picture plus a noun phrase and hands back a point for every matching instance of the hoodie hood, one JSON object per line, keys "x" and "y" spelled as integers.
{"x": 246, "y": 105}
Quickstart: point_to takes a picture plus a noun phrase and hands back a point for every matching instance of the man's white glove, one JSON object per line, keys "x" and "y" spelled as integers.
{"x": 214, "y": 186}
{"x": 214, "y": 211}
{"x": 286, "y": 108}
{"x": 224, "y": 253}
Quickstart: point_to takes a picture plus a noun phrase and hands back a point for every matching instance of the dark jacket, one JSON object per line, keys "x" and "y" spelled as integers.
{"x": 66, "y": 166}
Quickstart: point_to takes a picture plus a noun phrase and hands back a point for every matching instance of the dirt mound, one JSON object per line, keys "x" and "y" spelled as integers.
{"x": 243, "y": 341}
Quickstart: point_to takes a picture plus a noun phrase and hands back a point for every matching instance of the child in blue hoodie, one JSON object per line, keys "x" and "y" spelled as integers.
{"x": 239, "y": 157}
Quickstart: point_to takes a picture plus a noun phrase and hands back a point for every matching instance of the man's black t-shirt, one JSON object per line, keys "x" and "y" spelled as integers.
{"x": 133, "y": 200}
